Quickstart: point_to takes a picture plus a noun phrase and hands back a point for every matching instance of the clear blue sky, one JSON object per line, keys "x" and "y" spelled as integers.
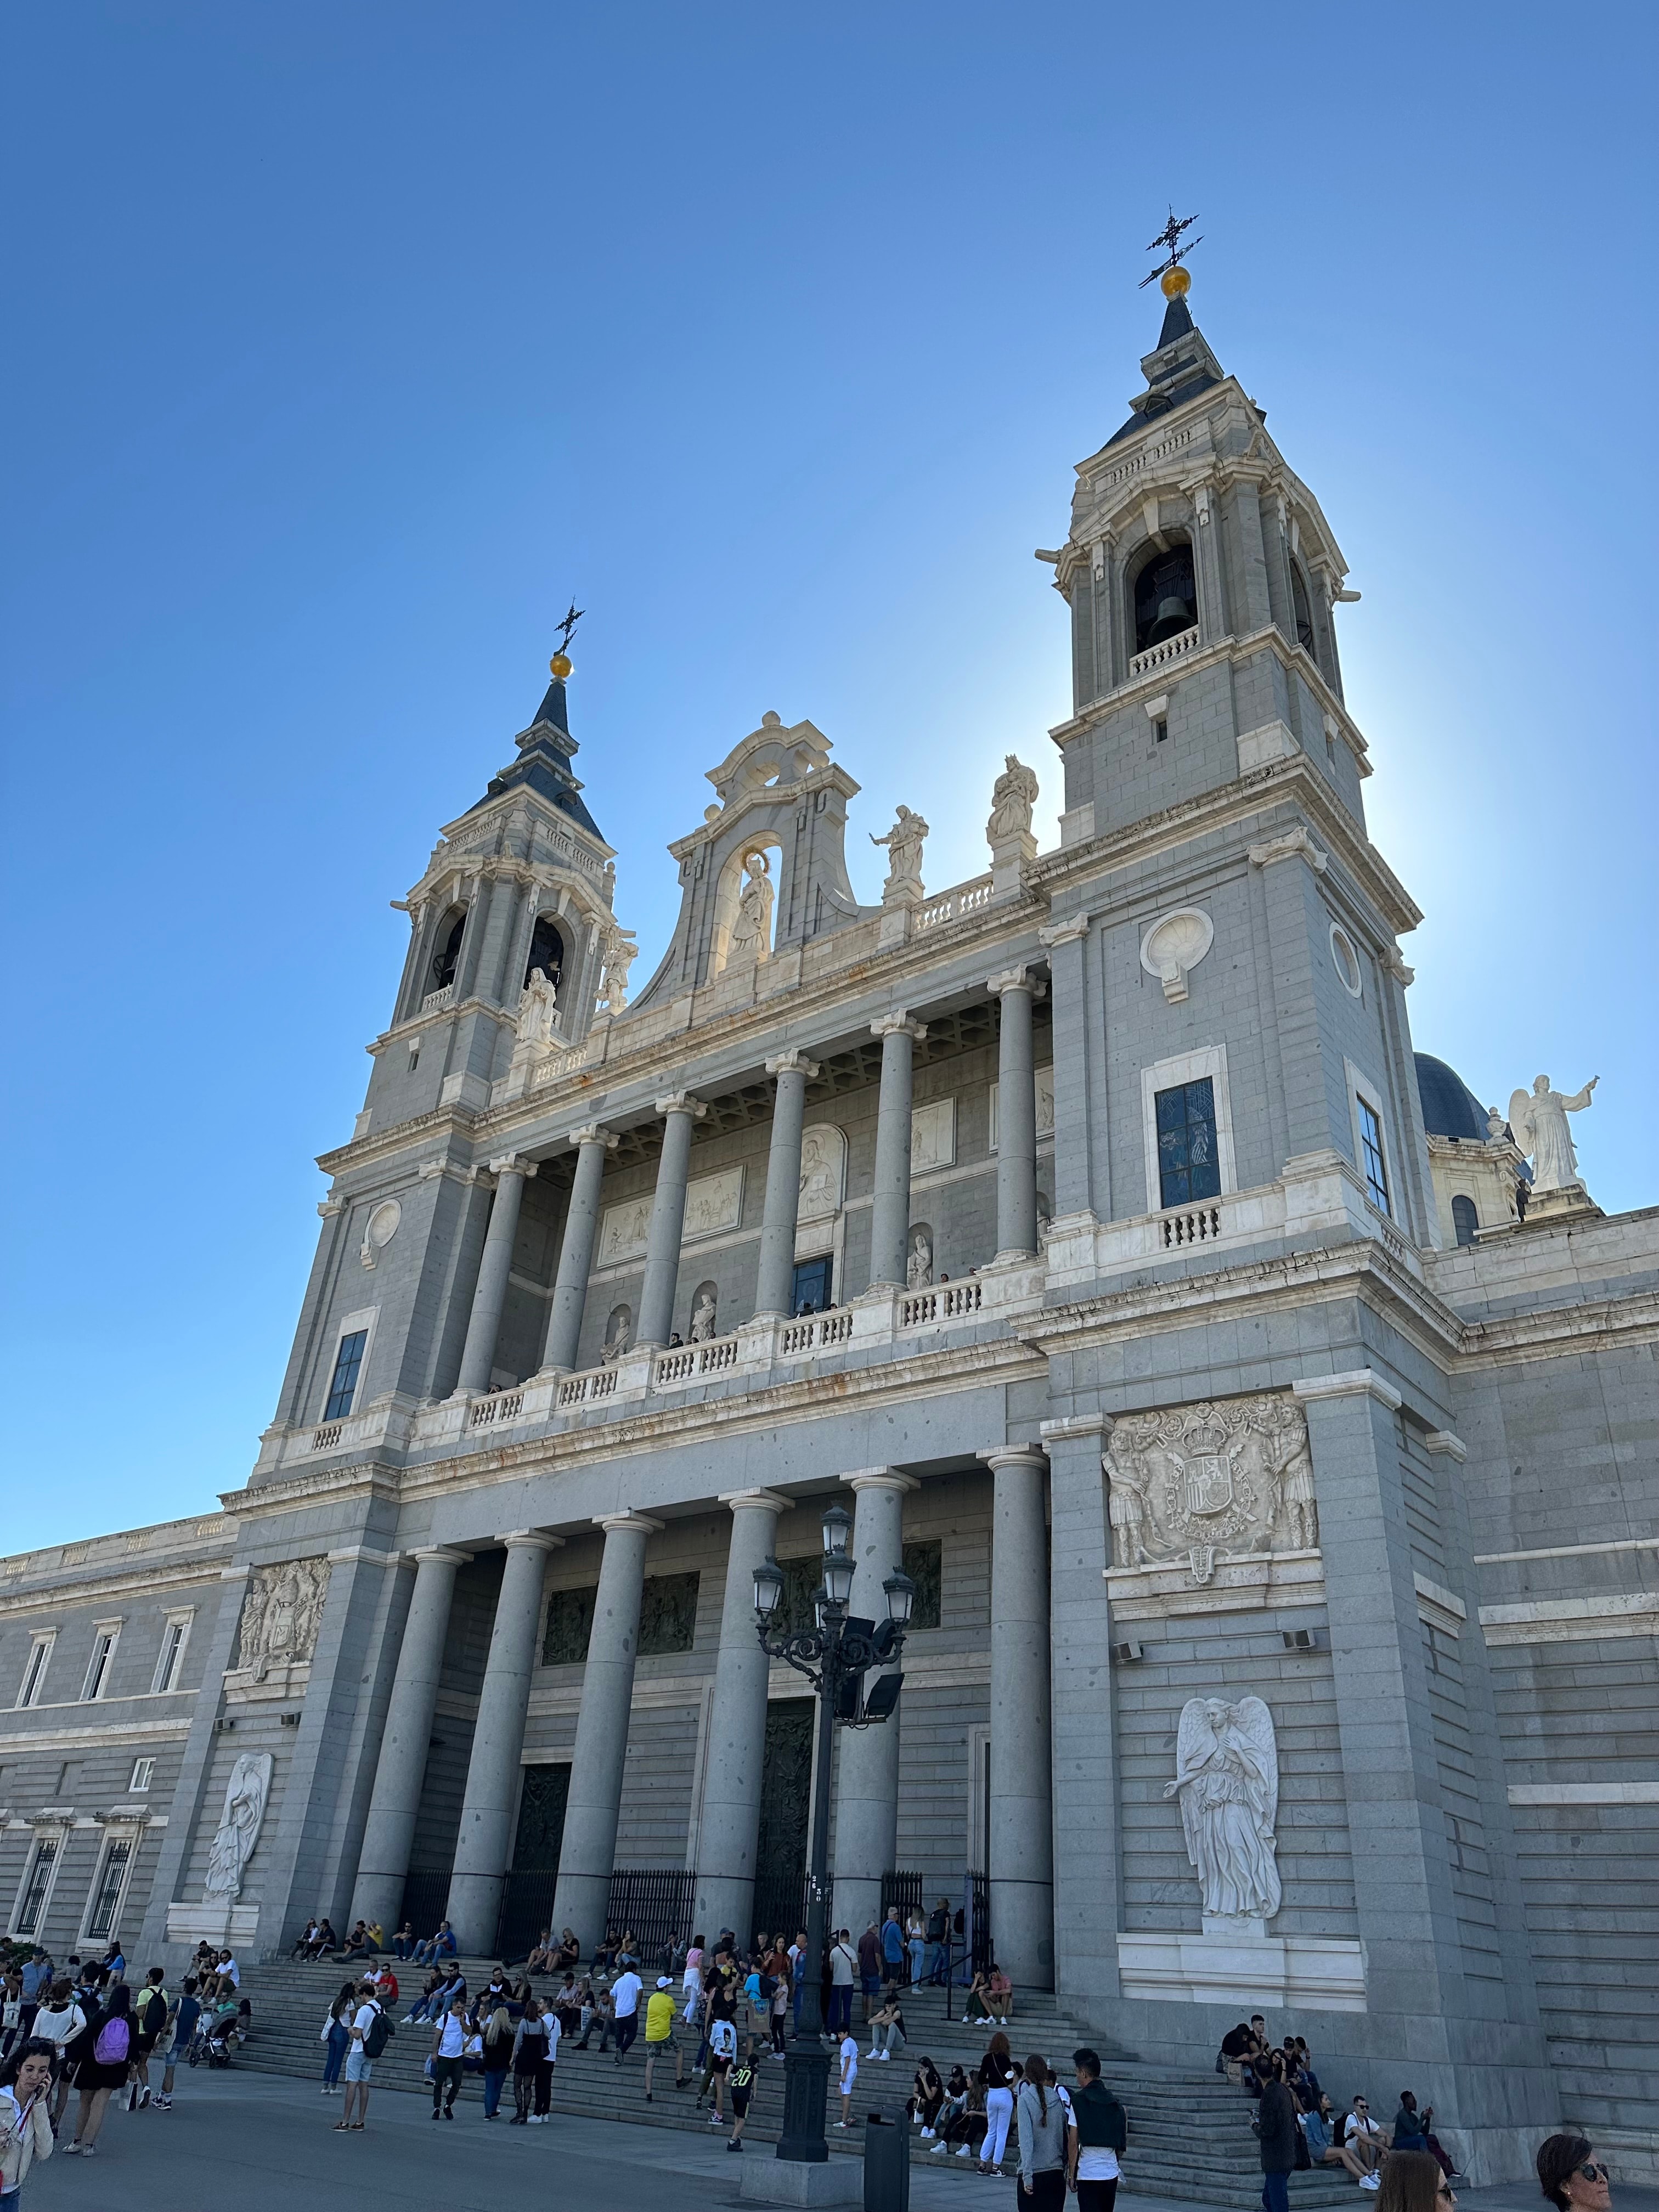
{"x": 347, "y": 342}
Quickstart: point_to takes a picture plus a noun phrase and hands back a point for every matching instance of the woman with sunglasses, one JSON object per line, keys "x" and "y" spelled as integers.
{"x": 1572, "y": 2176}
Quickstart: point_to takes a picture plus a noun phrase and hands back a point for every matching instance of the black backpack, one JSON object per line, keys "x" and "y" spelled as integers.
{"x": 379, "y": 2032}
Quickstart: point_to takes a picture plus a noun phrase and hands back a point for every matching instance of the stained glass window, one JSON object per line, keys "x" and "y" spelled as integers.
{"x": 1188, "y": 1164}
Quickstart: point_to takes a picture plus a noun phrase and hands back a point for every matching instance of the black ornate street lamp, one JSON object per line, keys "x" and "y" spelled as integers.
{"x": 834, "y": 1654}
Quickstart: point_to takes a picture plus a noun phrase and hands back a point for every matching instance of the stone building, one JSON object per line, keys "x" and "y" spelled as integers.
{"x": 1285, "y": 1547}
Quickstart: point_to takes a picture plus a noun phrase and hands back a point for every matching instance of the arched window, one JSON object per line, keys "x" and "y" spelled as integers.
{"x": 450, "y": 931}
{"x": 546, "y": 951}
{"x": 1301, "y": 610}
{"x": 1166, "y": 597}
{"x": 1465, "y": 1219}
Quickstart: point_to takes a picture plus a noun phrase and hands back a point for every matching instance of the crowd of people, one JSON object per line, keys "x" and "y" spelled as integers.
{"x": 85, "y": 2029}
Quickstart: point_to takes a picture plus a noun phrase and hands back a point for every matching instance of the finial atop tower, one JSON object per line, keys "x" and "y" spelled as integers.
{"x": 1176, "y": 280}
{"x": 559, "y": 667}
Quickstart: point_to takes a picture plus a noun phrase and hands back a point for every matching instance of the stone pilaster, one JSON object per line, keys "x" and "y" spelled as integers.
{"x": 1022, "y": 1823}
{"x": 776, "y": 1276}
{"x": 890, "y": 1228}
{"x": 582, "y": 1227}
{"x": 490, "y": 1296}
{"x": 662, "y": 1251}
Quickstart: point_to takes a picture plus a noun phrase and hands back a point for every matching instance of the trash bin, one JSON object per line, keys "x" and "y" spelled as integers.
{"x": 887, "y": 2162}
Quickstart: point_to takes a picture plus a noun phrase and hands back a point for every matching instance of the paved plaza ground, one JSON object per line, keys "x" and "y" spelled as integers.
{"x": 266, "y": 2143}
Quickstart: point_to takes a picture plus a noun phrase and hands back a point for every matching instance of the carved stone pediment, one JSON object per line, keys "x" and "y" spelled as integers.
{"x": 1200, "y": 1485}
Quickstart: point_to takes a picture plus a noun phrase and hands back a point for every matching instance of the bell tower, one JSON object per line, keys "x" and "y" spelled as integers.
{"x": 1210, "y": 749}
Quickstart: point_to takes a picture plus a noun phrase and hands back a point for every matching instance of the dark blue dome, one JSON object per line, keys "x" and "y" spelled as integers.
{"x": 1450, "y": 1109}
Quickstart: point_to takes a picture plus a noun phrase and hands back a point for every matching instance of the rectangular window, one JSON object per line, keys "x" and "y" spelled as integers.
{"x": 103, "y": 1651}
{"x": 106, "y": 1895}
{"x": 34, "y": 1671}
{"x": 1370, "y": 1155}
{"x": 923, "y": 1563}
{"x": 1189, "y": 1165}
{"x": 38, "y": 1882}
{"x": 347, "y": 1362}
{"x": 143, "y": 1773}
{"x": 174, "y": 1637}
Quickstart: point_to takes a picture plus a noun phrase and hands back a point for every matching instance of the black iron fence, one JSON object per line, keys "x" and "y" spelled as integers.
{"x": 903, "y": 1890}
{"x": 978, "y": 1935}
{"x": 781, "y": 1902}
{"x": 526, "y": 1909}
{"x": 656, "y": 1903}
{"x": 426, "y": 1893}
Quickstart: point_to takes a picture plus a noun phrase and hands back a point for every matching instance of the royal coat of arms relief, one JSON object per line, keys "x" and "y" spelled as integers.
{"x": 1200, "y": 1484}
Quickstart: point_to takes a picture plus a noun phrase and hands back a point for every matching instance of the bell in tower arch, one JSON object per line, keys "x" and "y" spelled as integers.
{"x": 1166, "y": 597}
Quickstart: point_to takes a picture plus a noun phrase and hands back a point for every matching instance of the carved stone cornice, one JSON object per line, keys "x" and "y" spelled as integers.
{"x": 1294, "y": 843}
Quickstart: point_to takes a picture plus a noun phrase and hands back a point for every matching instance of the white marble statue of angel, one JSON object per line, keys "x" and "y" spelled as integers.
{"x": 1227, "y": 1779}
{"x": 1539, "y": 1121}
{"x": 904, "y": 842}
{"x": 537, "y": 1004}
{"x": 1012, "y": 797}
{"x": 238, "y": 1826}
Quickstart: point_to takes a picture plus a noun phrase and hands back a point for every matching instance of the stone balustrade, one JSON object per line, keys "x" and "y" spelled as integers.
{"x": 1160, "y": 656}
{"x": 954, "y": 905}
{"x": 437, "y": 1002}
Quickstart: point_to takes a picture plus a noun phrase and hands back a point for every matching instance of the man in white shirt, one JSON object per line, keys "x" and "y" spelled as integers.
{"x": 843, "y": 1972}
{"x": 448, "y": 2058}
{"x": 359, "y": 2066}
{"x": 228, "y": 1969}
{"x": 1362, "y": 2140}
{"x": 849, "y": 2068}
{"x": 625, "y": 1992}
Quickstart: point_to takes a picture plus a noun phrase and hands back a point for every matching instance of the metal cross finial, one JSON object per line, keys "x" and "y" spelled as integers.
{"x": 1169, "y": 237}
{"x": 568, "y": 626}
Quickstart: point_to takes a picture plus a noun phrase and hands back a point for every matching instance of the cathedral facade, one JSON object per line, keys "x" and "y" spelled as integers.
{"x": 1272, "y": 1451}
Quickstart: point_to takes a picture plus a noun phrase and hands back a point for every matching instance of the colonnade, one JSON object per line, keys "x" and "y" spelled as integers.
{"x": 1020, "y": 1842}
{"x": 900, "y": 1033}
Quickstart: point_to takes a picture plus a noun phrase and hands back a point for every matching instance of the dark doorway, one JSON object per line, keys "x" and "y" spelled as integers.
{"x": 786, "y": 1809}
{"x": 527, "y": 1892}
{"x": 810, "y": 1293}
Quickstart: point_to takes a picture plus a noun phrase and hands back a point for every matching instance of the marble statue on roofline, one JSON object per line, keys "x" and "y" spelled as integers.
{"x": 1539, "y": 1121}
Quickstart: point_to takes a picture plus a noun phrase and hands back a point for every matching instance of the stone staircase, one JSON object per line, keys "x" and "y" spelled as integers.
{"x": 1190, "y": 2134}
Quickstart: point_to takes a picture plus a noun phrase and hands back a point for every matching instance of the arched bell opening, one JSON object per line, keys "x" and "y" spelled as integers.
{"x": 447, "y": 956}
{"x": 1165, "y": 595}
{"x": 546, "y": 951}
{"x": 1302, "y": 611}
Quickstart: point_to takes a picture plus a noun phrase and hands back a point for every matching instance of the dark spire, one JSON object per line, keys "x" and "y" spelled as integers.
{"x": 545, "y": 751}
{"x": 1177, "y": 323}
{"x": 1179, "y": 366}
{"x": 552, "y": 708}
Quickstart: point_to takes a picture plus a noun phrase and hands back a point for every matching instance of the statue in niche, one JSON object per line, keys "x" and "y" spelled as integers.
{"x": 704, "y": 1310}
{"x": 904, "y": 842}
{"x": 281, "y": 1616}
{"x": 820, "y": 1175}
{"x": 1227, "y": 1780}
{"x": 245, "y": 1794}
{"x": 919, "y": 1265}
{"x": 751, "y": 933}
{"x": 1013, "y": 798}
{"x": 1045, "y": 1213}
{"x": 1125, "y": 1506}
{"x": 618, "y": 1335}
{"x": 537, "y": 1004}
{"x": 618, "y": 953}
{"x": 1539, "y": 1121}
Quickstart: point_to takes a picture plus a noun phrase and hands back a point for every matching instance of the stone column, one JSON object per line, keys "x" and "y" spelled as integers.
{"x": 582, "y": 1227}
{"x": 890, "y": 1225}
{"x": 1076, "y": 1084}
{"x": 383, "y": 1861}
{"x": 1021, "y": 1817}
{"x": 601, "y": 1748}
{"x": 866, "y": 1802}
{"x": 730, "y": 1825}
{"x": 776, "y": 1277}
{"x": 485, "y": 1845}
{"x": 1087, "y": 1845}
{"x": 490, "y": 1294}
{"x": 1017, "y": 1213}
{"x": 662, "y": 1250}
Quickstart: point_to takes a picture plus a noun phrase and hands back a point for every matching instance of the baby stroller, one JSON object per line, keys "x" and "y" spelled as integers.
{"x": 214, "y": 2040}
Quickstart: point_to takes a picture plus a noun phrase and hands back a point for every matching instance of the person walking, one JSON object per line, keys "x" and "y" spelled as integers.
{"x": 24, "y": 2128}
{"x": 101, "y": 2069}
{"x": 369, "y": 2030}
{"x": 150, "y": 2018}
{"x": 780, "y": 2002}
{"x": 660, "y": 2015}
{"x": 892, "y": 1945}
{"x": 58, "y": 2021}
{"x": 181, "y": 2030}
{"x": 337, "y": 2035}
{"x": 498, "y": 2035}
{"x": 449, "y": 2061}
{"x": 1276, "y": 2126}
{"x": 850, "y": 2074}
{"x": 742, "y": 2083}
{"x": 1045, "y": 2139}
{"x": 997, "y": 2072}
{"x": 722, "y": 2053}
{"x": 1100, "y": 2132}
{"x": 916, "y": 1945}
{"x": 529, "y": 2066}
{"x": 625, "y": 1993}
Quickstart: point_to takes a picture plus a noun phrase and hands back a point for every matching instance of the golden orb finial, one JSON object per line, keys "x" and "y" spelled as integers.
{"x": 560, "y": 665}
{"x": 1175, "y": 284}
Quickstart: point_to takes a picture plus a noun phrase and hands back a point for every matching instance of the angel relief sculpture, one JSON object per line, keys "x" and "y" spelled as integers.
{"x": 1227, "y": 1780}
